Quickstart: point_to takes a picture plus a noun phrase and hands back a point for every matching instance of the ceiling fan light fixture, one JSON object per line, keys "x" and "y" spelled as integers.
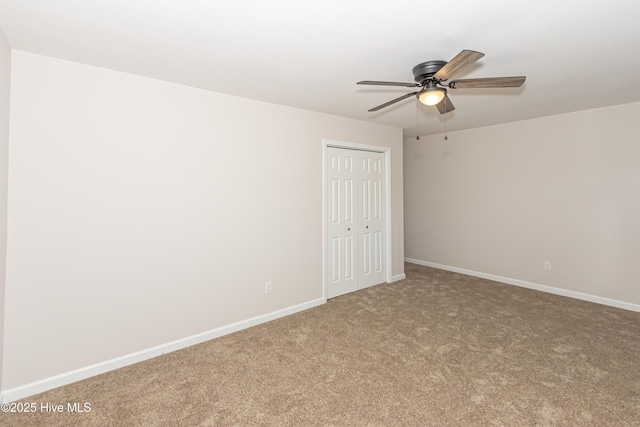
{"x": 432, "y": 95}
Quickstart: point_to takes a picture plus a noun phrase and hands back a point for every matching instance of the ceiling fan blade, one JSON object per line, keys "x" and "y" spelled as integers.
{"x": 445, "y": 106}
{"x": 461, "y": 60}
{"x": 373, "y": 82}
{"x": 393, "y": 101}
{"x": 488, "y": 82}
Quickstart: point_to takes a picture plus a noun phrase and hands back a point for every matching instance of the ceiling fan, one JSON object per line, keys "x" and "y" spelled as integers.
{"x": 433, "y": 76}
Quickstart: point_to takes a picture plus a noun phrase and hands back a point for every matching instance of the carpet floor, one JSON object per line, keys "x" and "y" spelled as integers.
{"x": 435, "y": 349}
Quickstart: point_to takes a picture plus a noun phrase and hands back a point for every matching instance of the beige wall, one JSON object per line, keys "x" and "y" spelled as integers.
{"x": 142, "y": 212}
{"x": 501, "y": 200}
{"x": 5, "y": 71}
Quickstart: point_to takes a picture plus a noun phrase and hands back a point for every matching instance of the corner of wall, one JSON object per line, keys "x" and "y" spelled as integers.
{"x": 5, "y": 80}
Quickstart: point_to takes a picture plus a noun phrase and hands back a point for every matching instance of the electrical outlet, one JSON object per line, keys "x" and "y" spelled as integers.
{"x": 547, "y": 266}
{"x": 268, "y": 287}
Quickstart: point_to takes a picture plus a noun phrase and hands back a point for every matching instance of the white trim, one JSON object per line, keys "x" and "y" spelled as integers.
{"x": 387, "y": 164}
{"x": 36, "y": 387}
{"x": 398, "y": 277}
{"x": 530, "y": 285}
{"x": 354, "y": 146}
{"x": 324, "y": 220}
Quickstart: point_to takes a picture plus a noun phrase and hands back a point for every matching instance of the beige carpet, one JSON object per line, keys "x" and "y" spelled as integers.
{"x": 436, "y": 349}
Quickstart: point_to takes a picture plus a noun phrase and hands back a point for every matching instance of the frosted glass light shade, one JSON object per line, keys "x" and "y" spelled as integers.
{"x": 432, "y": 96}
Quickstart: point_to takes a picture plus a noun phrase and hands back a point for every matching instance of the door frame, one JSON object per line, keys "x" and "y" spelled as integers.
{"x": 387, "y": 208}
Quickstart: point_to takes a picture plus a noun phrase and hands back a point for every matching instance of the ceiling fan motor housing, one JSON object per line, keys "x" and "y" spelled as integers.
{"x": 423, "y": 73}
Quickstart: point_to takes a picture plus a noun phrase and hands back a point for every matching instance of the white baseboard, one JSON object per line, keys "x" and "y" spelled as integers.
{"x": 530, "y": 285}
{"x": 398, "y": 277}
{"x": 27, "y": 390}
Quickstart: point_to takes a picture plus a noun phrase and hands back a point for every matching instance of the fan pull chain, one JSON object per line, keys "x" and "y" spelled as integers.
{"x": 417, "y": 127}
{"x": 445, "y": 120}
{"x": 445, "y": 129}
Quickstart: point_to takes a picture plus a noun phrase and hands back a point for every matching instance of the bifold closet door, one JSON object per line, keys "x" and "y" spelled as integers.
{"x": 370, "y": 219}
{"x": 341, "y": 227}
{"x": 355, "y": 220}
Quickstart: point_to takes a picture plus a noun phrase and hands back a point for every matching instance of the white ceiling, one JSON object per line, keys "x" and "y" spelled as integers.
{"x": 576, "y": 55}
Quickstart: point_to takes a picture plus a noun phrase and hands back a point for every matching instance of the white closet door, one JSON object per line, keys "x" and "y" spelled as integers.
{"x": 355, "y": 220}
{"x": 341, "y": 216}
{"x": 371, "y": 221}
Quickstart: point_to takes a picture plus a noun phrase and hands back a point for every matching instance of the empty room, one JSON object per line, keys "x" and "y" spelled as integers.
{"x": 319, "y": 213}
